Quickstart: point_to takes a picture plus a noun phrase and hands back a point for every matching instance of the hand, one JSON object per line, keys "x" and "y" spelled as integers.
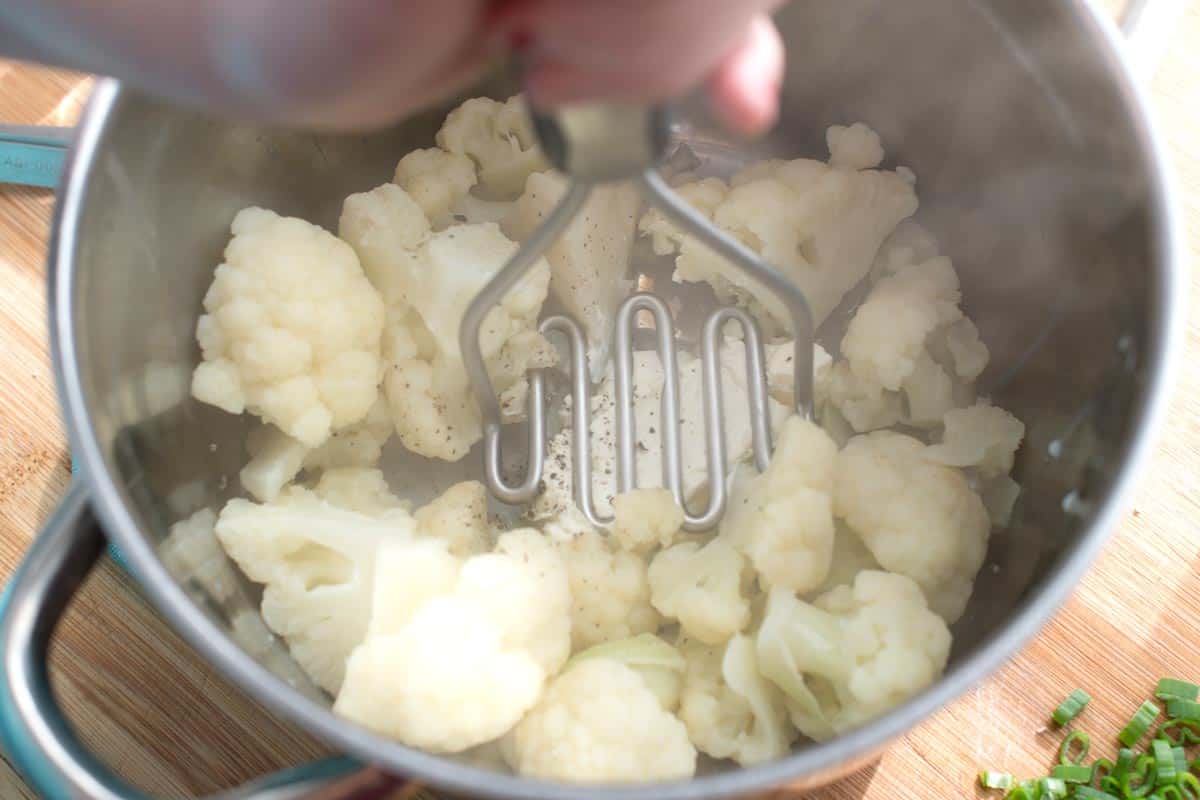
{"x": 366, "y": 63}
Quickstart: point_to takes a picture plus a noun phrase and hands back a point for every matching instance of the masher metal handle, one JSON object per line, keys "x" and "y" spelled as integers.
{"x": 602, "y": 143}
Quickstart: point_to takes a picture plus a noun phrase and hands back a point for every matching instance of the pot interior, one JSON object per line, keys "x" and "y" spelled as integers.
{"x": 1031, "y": 172}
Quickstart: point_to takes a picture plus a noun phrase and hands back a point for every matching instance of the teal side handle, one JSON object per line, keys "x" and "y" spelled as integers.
{"x": 27, "y": 757}
{"x": 30, "y": 164}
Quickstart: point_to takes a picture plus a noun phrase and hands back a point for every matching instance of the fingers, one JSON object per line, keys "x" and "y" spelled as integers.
{"x": 651, "y": 50}
{"x": 744, "y": 89}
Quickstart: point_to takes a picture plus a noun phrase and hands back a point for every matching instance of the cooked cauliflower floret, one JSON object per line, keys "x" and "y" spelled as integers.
{"x": 864, "y": 404}
{"x": 428, "y": 280}
{"x": 781, "y": 373}
{"x": 968, "y": 355}
{"x": 929, "y": 392}
{"x": 660, "y": 665}
{"x": 645, "y": 519}
{"x": 909, "y": 244}
{"x": 499, "y": 138}
{"x": 317, "y": 564}
{"x": 357, "y": 489}
{"x": 408, "y": 574}
{"x": 504, "y": 624}
{"x": 918, "y": 518}
{"x": 276, "y": 458}
{"x": 782, "y": 520}
{"x": 853, "y": 654}
{"x": 459, "y": 517}
{"x": 589, "y": 262}
{"x": 1000, "y": 496}
{"x": 523, "y": 587}
{"x": 729, "y": 709}
{"x": 701, "y": 587}
{"x": 191, "y": 552}
{"x": 703, "y": 195}
{"x": 850, "y": 557}
{"x": 599, "y": 723}
{"x": 610, "y": 593}
{"x": 888, "y": 333}
{"x": 291, "y": 329}
{"x": 444, "y": 682}
{"x": 983, "y": 437}
{"x": 821, "y": 225}
{"x": 437, "y": 180}
{"x": 854, "y": 147}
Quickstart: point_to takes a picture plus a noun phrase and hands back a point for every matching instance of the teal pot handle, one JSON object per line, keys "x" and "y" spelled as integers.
{"x": 33, "y": 729}
{"x": 33, "y": 155}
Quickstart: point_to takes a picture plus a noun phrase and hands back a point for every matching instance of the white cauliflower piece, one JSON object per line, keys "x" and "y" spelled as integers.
{"x": 610, "y": 593}
{"x": 556, "y": 496}
{"x": 408, "y": 574}
{"x": 445, "y": 682}
{"x": 1000, "y": 496}
{"x": 589, "y": 262}
{"x": 850, "y": 557}
{"x": 701, "y": 587}
{"x": 854, "y": 147}
{"x": 660, "y": 665}
{"x": 276, "y": 458}
{"x": 428, "y": 280}
{"x": 317, "y": 564}
{"x": 782, "y": 520}
{"x": 457, "y": 658}
{"x": 645, "y": 519}
{"x": 864, "y": 404}
{"x": 729, "y": 709}
{"x": 703, "y": 195}
{"x": 781, "y": 373}
{"x": 929, "y": 392}
{"x": 599, "y": 723}
{"x": 358, "y": 489}
{"x": 918, "y": 518}
{"x": 291, "y": 329}
{"x": 459, "y": 517}
{"x": 191, "y": 552}
{"x": 499, "y": 138}
{"x": 983, "y": 437}
{"x": 821, "y": 225}
{"x": 523, "y": 588}
{"x": 854, "y": 654}
{"x": 968, "y": 355}
{"x": 911, "y": 243}
{"x": 888, "y": 333}
{"x": 437, "y": 180}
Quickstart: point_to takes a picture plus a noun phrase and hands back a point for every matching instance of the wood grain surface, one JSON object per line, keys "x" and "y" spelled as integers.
{"x": 170, "y": 724}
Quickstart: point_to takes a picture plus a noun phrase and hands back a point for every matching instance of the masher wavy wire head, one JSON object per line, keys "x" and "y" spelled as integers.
{"x": 601, "y": 143}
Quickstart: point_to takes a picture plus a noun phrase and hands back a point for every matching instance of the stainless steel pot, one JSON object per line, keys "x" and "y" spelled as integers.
{"x": 1039, "y": 173}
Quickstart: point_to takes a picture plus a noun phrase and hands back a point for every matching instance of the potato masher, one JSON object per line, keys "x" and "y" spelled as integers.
{"x": 595, "y": 144}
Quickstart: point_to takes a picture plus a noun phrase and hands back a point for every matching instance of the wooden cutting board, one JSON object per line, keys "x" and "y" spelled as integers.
{"x": 166, "y": 721}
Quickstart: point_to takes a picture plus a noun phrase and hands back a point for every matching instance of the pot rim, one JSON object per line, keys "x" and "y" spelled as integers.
{"x": 1162, "y": 357}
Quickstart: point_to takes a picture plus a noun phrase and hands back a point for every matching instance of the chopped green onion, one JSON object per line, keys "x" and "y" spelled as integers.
{"x": 1101, "y": 769}
{"x": 1183, "y": 709}
{"x": 1143, "y": 771}
{"x": 1088, "y": 793}
{"x": 1072, "y": 773}
{"x": 1025, "y": 790}
{"x": 1189, "y": 731}
{"x": 1064, "y": 752}
{"x": 1181, "y": 762}
{"x": 1069, "y": 709}
{"x": 1164, "y": 762}
{"x": 1189, "y": 785}
{"x": 995, "y": 780}
{"x": 1169, "y": 793}
{"x": 1125, "y": 761}
{"x": 1175, "y": 689}
{"x": 1112, "y": 785}
{"x": 1052, "y": 787}
{"x": 1133, "y": 732}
